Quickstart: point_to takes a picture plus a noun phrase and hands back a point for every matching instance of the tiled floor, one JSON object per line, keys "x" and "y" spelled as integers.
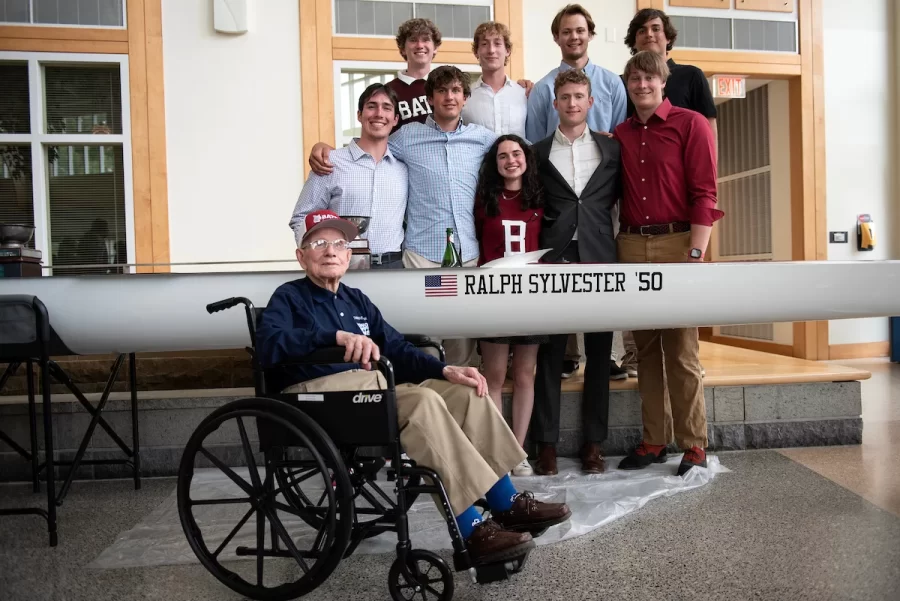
{"x": 816, "y": 524}
{"x": 871, "y": 470}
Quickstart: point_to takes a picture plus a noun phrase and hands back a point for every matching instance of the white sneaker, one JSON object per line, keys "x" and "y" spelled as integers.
{"x": 523, "y": 469}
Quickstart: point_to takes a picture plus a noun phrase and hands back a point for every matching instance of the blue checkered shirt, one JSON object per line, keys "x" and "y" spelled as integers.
{"x": 361, "y": 187}
{"x": 443, "y": 174}
{"x": 610, "y": 102}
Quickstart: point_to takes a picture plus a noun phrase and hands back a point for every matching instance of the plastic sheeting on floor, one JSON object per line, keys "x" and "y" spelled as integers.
{"x": 595, "y": 500}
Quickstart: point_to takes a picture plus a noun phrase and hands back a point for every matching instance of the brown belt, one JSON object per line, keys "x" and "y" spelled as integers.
{"x": 656, "y": 230}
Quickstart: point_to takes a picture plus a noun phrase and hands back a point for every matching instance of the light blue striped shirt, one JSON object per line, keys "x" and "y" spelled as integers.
{"x": 359, "y": 186}
{"x": 443, "y": 174}
{"x": 610, "y": 102}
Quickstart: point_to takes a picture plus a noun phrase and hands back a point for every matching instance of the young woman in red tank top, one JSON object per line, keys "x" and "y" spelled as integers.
{"x": 508, "y": 213}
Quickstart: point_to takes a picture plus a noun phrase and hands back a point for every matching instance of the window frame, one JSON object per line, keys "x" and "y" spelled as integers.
{"x": 39, "y": 140}
{"x": 31, "y": 23}
{"x": 489, "y": 4}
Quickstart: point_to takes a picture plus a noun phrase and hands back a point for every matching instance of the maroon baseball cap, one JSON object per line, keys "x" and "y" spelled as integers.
{"x": 322, "y": 219}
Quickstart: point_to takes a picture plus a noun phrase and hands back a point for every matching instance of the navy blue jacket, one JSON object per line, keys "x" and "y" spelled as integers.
{"x": 301, "y": 318}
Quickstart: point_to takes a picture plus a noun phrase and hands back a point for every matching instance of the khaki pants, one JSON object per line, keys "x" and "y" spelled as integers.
{"x": 575, "y": 347}
{"x": 459, "y": 351}
{"x": 444, "y": 426}
{"x": 667, "y": 359}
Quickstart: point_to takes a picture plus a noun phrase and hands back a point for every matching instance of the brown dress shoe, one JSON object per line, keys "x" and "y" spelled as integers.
{"x": 490, "y": 543}
{"x": 546, "y": 460}
{"x": 592, "y": 461}
{"x": 528, "y": 514}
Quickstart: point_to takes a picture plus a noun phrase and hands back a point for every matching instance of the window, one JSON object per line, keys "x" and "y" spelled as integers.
{"x": 354, "y": 78}
{"x": 65, "y": 152}
{"x": 735, "y": 34}
{"x": 380, "y": 17}
{"x": 88, "y": 13}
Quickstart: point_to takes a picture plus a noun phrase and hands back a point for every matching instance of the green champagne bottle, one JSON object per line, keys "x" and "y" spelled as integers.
{"x": 451, "y": 255}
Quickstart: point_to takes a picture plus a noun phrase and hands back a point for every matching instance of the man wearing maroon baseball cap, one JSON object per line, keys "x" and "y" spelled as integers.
{"x": 447, "y": 420}
{"x": 328, "y": 219}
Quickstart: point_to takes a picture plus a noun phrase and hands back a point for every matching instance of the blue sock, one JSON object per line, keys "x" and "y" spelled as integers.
{"x": 467, "y": 521}
{"x": 500, "y": 497}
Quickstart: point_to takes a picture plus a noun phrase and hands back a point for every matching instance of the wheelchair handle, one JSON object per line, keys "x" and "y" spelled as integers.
{"x": 224, "y": 304}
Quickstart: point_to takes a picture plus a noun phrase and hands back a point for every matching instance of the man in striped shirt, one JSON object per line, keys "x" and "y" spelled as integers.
{"x": 367, "y": 181}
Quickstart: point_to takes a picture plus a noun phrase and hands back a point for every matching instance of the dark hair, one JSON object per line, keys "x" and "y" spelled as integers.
{"x": 376, "y": 88}
{"x": 576, "y": 76}
{"x": 413, "y": 28}
{"x": 490, "y": 182}
{"x": 569, "y": 10}
{"x": 445, "y": 75}
{"x": 640, "y": 19}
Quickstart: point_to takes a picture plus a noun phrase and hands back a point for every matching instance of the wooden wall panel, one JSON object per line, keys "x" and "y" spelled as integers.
{"x": 148, "y": 135}
{"x": 309, "y": 79}
{"x": 140, "y": 135}
{"x": 516, "y": 25}
{"x": 324, "y": 60}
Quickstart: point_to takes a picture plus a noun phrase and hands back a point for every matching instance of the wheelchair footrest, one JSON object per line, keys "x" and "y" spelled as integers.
{"x": 490, "y": 572}
{"x": 501, "y": 570}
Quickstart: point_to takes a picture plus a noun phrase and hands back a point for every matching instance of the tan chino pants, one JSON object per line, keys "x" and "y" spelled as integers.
{"x": 444, "y": 426}
{"x": 667, "y": 359}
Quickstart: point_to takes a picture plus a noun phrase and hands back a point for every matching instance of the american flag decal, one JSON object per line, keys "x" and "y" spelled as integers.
{"x": 440, "y": 285}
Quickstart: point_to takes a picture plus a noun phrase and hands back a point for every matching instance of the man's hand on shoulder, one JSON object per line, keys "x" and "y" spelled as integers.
{"x": 466, "y": 376}
{"x": 527, "y": 84}
{"x": 318, "y": 159}
{"x": 360, "y": 349}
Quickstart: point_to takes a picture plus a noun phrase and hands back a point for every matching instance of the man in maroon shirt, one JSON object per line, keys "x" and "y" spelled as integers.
{"x": 668, "y": 209}
{"x": 418, "y": 41}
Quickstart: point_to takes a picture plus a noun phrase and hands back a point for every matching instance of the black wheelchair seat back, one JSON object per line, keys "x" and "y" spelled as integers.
{"x": 350, "y": 418}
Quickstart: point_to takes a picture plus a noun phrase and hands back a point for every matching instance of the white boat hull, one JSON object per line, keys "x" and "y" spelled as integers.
{"x": 166, "y": 312}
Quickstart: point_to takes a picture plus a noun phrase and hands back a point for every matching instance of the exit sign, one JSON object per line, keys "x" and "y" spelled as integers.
{"x": 728, "y": 86}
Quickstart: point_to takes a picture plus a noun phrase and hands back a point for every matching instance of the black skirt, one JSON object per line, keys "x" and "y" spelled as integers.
{"x": 518, "y": 340}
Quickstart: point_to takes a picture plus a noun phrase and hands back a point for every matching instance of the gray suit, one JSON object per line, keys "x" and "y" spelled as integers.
{"x": 591, "y": 215}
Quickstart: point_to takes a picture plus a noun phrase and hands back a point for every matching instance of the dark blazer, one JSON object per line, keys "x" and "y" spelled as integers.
{"x": 591, "y": 214}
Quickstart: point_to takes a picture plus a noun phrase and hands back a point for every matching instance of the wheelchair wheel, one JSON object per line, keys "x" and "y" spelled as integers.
{"x": 290, "y": 557}
{"x": 426, "y": 576}
{"x": 372, "y": 506}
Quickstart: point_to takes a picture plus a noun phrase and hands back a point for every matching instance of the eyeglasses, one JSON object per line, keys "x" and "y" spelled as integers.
{"x": 338, "y": 245}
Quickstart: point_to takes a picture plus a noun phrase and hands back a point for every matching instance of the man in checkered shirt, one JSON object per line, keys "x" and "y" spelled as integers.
{"x": 367, "y": 181}
{"x": 443, "y": 156}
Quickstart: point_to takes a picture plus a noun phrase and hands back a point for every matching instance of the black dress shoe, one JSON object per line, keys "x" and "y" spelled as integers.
{"x": 616, "y": 372}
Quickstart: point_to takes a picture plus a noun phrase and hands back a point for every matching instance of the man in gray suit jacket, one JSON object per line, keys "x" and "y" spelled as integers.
{"x": 580, "y": 174}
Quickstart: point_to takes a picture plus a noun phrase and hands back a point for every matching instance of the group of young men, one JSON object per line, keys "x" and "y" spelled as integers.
{"x": 628, "y": 169}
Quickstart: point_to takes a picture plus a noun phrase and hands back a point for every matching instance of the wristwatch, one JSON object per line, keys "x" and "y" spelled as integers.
{"x": 696, "y": 253}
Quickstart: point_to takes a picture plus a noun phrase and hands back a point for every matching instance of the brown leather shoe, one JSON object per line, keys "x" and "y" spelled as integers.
{"x": 490, "y": 543}
{"x": 530, "y": 515}
{"x": 546, "y": 460}
{"x": 592, "y": 461}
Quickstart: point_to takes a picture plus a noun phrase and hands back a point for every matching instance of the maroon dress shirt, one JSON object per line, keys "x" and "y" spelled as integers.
{"x": 668, "y": 168}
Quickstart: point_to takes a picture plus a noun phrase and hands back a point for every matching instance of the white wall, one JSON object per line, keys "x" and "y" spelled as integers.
{"x": 860, "y": 158}
{"x": 233, "y": 133}
{"x": 611, "y": 18}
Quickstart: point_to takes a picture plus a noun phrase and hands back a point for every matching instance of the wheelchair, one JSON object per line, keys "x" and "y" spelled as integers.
{"x": 312, "y": 465}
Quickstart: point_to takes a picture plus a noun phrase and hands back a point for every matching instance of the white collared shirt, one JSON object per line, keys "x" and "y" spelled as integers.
{"x": 502, "y": 112}
{"x": 576, "y": 161}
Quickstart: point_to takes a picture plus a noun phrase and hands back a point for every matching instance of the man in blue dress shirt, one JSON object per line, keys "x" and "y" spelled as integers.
{"x": 447, "y": 420}
{"x": 572, "y": 30}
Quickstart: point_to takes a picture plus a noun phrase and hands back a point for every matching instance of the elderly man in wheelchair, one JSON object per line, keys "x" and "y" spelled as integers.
{"x": 447, "y": 422}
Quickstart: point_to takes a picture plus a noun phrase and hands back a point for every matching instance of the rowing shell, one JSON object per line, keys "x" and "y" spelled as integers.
{"x": 166, "y": 312}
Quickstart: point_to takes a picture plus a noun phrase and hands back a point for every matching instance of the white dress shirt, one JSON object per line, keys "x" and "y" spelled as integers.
{"x": 576, "y": 161}
{"x": 502, "y": 112}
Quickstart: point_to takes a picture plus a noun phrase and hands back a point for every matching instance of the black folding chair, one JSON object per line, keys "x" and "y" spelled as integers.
{"x": 27, "y": 336}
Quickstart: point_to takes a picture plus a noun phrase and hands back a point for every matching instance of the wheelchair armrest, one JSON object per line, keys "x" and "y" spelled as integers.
{"x": 335, "y": 354}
